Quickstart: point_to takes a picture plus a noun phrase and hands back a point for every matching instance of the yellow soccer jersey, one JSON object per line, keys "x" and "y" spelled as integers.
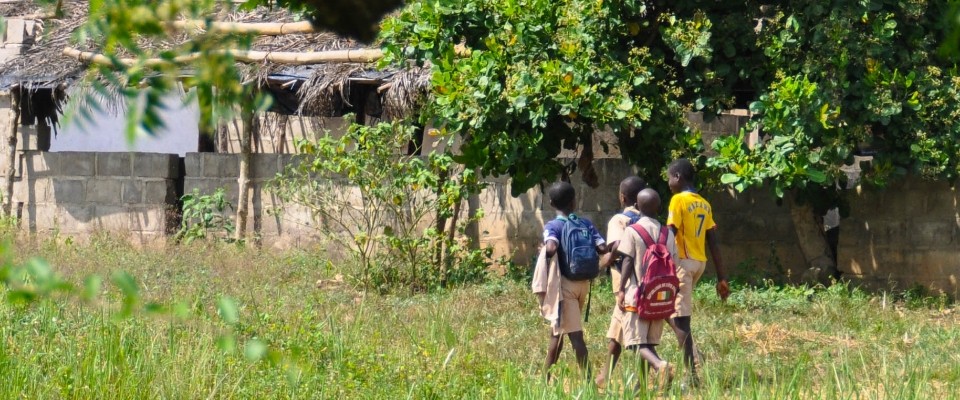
{"x": 692, "y": 217}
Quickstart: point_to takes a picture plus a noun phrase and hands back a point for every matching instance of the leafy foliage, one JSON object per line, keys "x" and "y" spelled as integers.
{"x": 827, "y": 81}
{"x": 204, "y": 216}
{"x": 850, "y": 78}
{"x": 136, "y": 35}
{"x": 541, "y": 76}
{"x": 387, "y": 208}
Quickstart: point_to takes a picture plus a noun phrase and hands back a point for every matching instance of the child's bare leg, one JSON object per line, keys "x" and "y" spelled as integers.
{"x": 614, "y": 350}
{"x": 685, "y": 339}
{"x": 648, "y": 354}
{"x": 580, "y": 348}
{"x": 553, "y": 353}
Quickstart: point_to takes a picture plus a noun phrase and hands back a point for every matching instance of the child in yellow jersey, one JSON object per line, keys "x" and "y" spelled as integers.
{"x": 691, "y": 219}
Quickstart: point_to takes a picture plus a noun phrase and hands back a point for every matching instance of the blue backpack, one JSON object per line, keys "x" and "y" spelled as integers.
{"x": 634, "y": 217}
{"x": 579, "y": 260}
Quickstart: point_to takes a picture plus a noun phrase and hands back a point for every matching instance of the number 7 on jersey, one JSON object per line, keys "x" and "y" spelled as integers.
{"x": 701, "y": 217}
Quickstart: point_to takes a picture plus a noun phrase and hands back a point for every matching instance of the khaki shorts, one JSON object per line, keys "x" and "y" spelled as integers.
{"x": 615, "y": 331}
{"x": 689, "y": 272}
{"x": 573, "y": 295}
{"x": 634, "y": 331}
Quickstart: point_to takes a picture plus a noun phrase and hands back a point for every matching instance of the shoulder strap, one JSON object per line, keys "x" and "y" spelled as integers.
{"x": 664, "y": 234}
{"x": 647, "y": 240}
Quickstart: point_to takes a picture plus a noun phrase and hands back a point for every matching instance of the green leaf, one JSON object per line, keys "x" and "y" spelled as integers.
{"x": 816, "y": 175}
{"x": 728, "y": 179}
{"x": 94, "y": 6}
{"x": 254, "y": 350}
{"x": 126, "y": 283}
{"x": 92, "y": 286}
{"x": 227, "y": 343}
{"x": 227, "y": 308}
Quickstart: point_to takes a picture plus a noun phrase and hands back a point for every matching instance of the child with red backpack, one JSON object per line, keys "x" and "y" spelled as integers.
{"x": 648, "y": 284}
{"x": 630, "y": 187}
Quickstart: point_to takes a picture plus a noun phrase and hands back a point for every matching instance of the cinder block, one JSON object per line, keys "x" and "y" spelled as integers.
{"x": 132, "y": 191}
{"x": 38, "y": 164}
{"x": 192, "y": 165}
{"x": 288, "y": 160}
{"x": 75, "y": 218}
{"x": 220, "y": 165}
{"x": 159, "y": 192}
{"x": 67, "y": 191}
{"x": 41, "y": 217}
{"x": 33, "y": 191}
{"x": 265, "y": 166}
{"x": 114, "y": 164}
{"x": 75, "y": 163}
{"x": 16, "y": 31}
{"x": 103, "y": 191}
{"x": 10, "y": 52}
{"x": 148, "y": 219}
{"x": 148, "y": 165}
{"x": 111, "y": 218}
{"x": 28, "y": 139}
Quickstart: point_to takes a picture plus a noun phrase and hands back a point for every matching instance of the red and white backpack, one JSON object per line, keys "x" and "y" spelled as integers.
{"x": 657, "y": 296}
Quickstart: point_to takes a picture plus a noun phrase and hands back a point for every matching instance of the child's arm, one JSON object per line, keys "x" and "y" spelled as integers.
{"x": 611, "y": 255}
{"x": 601, "y": 244}
{"x": 551, "y": 249}
{"x": 627, "y": 273}
{"x": 713, "y": 242}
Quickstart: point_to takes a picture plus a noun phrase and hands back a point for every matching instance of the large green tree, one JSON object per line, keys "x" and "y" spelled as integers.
{"x": 518, "y": 81}
{"x": 825, "y": 81}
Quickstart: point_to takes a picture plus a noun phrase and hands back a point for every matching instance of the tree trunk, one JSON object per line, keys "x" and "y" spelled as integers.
{"x": 813, "y": 243}
{"x": 11, "y": 152}
{"x": 243, "y": 200}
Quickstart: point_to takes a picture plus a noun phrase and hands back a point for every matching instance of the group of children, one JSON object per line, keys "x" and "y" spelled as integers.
{"x": 562, "y": 297}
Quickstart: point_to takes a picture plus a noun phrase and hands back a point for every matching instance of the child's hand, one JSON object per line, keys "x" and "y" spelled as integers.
{"x": 723, "y": 289}
{"x": 620, "y": 303}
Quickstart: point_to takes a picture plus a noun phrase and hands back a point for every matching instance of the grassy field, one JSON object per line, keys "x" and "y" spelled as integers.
{"x": 329, "y": 340}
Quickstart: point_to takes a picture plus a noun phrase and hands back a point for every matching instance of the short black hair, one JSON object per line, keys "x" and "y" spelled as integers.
{"x": 562, "y": 195}
{"x": 683, "y": 167}
{"x": 631, "y": 186}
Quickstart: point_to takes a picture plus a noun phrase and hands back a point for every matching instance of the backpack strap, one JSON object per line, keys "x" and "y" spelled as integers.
{"x": 647, "y": 240}
{"x": 664, "y": 234}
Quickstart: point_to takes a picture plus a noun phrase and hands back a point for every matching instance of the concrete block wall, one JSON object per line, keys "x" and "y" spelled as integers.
{"x": 905, "y": 235}
{"x": 75, "y": 193}
{"x": 206, "y": 172}
{"x": 757, "y": 235}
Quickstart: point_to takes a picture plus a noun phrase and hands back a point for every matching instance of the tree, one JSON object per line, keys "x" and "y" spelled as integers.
{"x": 825, "y": 82}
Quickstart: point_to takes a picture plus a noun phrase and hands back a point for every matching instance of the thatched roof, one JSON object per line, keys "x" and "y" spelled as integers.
{"x": 42, "y": 65}
{"x": 322, "y": 88}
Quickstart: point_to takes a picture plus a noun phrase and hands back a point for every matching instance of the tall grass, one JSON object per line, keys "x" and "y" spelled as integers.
{"x": 483, "y": 341}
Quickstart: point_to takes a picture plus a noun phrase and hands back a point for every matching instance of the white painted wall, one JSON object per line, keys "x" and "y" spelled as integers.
{"x": 107, "y": 132}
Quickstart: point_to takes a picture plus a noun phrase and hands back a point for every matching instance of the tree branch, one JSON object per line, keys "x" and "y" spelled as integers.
{"x": 244, "y": 56}
{"x": 259, "y": 28}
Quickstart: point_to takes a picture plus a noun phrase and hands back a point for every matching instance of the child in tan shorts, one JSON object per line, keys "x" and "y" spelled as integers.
{"x": 630, "y": 187}
{"x": 572, "y": 293}
{"x": 639, "y": 334}
{"x": 691, "y": 220}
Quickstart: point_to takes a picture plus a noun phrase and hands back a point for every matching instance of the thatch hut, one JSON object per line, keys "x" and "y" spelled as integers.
{"x": 37, "y": 76}
{"x": 306, "y": 97}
